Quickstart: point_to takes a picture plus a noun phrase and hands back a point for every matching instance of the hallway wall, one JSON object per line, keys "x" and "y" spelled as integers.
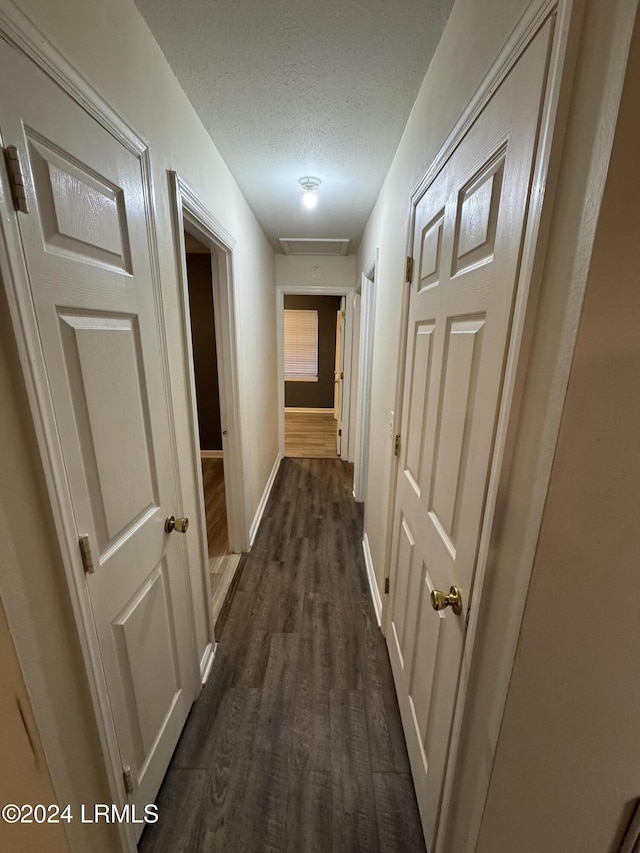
{"x": 36, "y": 599}
{"x": 576, "y": 673}
{"x": 111, "y": 46}
{"x": 327, "y": 271}
{"x": 315, "y": 271}
{"x": 25, "y": 776}
{"x": 472, "y": 39}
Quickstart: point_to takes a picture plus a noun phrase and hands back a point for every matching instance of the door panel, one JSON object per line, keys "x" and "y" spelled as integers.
{"x": 468, "y": 233}
{"x": 107, "y": 391}
{"x": 403, "y": 600}
{"x": 142, "y": 632}
{"x": 87, "y": 254}
{"x": 81, "y": 214}
{"x": 477, "y": 217}
{"x": 420, "y": 374}
{"x": 463, "y": 344}
{"x": 431, "y": 253}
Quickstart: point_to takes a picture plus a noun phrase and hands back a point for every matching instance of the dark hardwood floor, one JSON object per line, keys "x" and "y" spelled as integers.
{"x": 296, "y": 743}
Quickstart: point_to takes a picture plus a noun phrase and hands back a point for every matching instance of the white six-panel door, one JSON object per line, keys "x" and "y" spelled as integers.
{"x": 468, "y": 235}
{"x": 87, "y": 253}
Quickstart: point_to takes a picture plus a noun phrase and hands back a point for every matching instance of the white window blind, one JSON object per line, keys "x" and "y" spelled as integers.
{"x": 300, "y": 345}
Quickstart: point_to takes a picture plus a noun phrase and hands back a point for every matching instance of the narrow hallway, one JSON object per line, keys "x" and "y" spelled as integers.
{"x": 296, "y": 742}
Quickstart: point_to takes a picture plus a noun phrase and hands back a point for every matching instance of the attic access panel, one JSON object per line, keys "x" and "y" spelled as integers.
{"x": 314, "y": 246}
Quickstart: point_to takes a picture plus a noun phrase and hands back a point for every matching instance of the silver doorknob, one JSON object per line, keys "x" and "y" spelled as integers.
{"x": 440, "y": 600}
{"x": 172, "y": 523}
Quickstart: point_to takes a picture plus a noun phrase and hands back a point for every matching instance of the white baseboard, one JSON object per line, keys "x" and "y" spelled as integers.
{"x": 207, "y": 662}
{"x": 263, "y": 501}
{"x": 211, "y": 454}
{"x": 311, "y": 411}
{"x": 371, "y": 577}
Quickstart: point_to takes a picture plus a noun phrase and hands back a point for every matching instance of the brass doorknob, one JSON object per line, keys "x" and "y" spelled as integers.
{"x": 179, "y": 524}
{"x": 440, "y": 600}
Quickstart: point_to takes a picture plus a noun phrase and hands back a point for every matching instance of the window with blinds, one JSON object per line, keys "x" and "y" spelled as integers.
{"x": 301, "y": 345}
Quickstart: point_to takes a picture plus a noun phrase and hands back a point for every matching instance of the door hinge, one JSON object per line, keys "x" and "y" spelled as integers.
{"x": 127, "y": 777}
{"x": 16, "y": 178}
{"x": 339, "y": 432}
{"x": 386, "y": 586}
{"x": 396, "y": 445}
{"x": 408, "y": 273}
{"x": 87, "y": 554}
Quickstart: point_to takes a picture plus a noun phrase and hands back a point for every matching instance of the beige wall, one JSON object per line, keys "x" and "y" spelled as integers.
{"x": 110, "y": 45}
{"x": 567, "y": 769}
{"x": 472, "y": 39}
{"x": 33, "y": 587}
{"x": 24, "y": 777}
{"x": 327, "y": 271}
{"x": 315, "y": 271}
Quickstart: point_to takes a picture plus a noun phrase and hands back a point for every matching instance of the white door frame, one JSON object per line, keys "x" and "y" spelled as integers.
{"x": 318, "y": 290}
{"x": 534, "y": 245}
{"x": 365, "y": 363}
{"x": 20, "y": 33}
{"x": 187, "y": 208}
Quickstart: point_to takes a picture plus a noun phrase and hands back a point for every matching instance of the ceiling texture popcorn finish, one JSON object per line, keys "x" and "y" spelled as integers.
{"x": 288, "y": 88}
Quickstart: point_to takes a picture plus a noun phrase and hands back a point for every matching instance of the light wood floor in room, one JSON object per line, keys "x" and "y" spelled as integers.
{"x": 215, "y": 507}
{"x": 295, "y": 744}
{"x": 222, "y": 563}
{"x": 310, "y": 435}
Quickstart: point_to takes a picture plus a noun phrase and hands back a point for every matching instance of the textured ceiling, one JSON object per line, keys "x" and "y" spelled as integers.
{"x": 302, "y": 87}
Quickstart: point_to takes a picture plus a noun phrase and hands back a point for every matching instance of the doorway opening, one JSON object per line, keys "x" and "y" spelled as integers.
{"x": 206, "y": 251}
{"x": 222, "y": 563}
{"x": 313, "y": 349}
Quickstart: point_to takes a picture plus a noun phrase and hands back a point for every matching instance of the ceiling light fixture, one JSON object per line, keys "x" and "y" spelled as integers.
{"x": 310, "y": 187}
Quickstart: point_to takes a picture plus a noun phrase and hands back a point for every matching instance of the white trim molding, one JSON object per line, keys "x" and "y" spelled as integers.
{"x": 206, "y": 662}
{"x": 255, "y": 524}
{"x": 546, "y": 314}
{"x": 301, "y": 410}
{"x": 21, "y": 32}
{"x": 317, "y": 290}
{"x": 365, "y": 361}
{"x": 371, "y": 577}
{"x": 189, "y": 210}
